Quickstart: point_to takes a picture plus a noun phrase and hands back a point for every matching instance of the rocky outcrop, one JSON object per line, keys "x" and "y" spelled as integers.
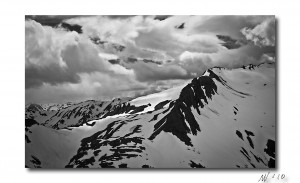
{"x": 180, "y": 121}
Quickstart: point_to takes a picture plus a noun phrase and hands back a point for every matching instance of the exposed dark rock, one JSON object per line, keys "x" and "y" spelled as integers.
{"x": 258, "y": 159}
{"x": 30, "y": 122}
{"x": 34, "y": 108}
{"x": 120, "y": 147}
{"x": 35, "y": 161}
{"x": 161, "y": 104}
{"x": 245, "y": 153}
{"x": 84, "y": 112}
{"x": 270, "y": 150}
{"x": 252, "y": 165}
{"x": 146, "y": 166}
{"x": 239, "y": 134}
{"x": 123, "y": 108}
{"x": 271, "y": 163}
{"x": 249, "y": 133}
{"x": 84, "y": 163}
{"x": 27, "y": 139}
{"x": 250, "y": 142}
{"x": 123, "y": 165}
{"x": 180, "y": 121}
{"x": 106, "y": 165}
{"x": 196, "y": 165}
{"x": 91, "y": 124}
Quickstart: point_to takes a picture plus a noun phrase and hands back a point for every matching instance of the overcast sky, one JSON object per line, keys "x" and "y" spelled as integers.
{"x": 75, "y": 58}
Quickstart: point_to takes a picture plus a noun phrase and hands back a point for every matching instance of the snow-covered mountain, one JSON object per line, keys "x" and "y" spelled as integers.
{"x": 223, "y": 119}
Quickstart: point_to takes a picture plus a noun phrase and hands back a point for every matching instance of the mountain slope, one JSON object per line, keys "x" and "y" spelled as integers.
{"x": 223, "y": 119}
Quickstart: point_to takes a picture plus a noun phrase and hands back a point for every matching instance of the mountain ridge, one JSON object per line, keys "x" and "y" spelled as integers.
{"x": 204, "y": 119}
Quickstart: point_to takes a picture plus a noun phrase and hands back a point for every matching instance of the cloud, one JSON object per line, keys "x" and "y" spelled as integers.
{"x": 156, "y": 87}
{"x": 263, "y": 34}
{"x": 269, "y": 58}
{"x": 97, "y": 85}
{"x": 148, "y": 37}
{"x": 195, "y": 63}
{"x": 173, "y": 43}
{"x": 227, "y": 25}
{"x": 230, "y": 43}
{"x": 54, "y": 56}
{"x": 43, "y": 61}
{"x": 145, "y": 72}
{"x": 63, "y": 65}
{"x": 161, "y": 17}
{"x": 117, "y": 30}
{"x": 50, "y": 20}
{"x": 149, "y": 90}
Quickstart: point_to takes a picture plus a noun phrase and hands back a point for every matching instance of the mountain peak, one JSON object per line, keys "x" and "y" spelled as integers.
{"x": 180, "y": 121}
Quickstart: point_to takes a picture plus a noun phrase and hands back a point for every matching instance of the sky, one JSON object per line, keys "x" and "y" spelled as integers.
{"x": 76, "y": 58}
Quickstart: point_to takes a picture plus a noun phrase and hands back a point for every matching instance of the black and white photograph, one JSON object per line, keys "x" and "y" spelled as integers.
{"x": 150, "y": 91}
{"x": 138, "y": 91}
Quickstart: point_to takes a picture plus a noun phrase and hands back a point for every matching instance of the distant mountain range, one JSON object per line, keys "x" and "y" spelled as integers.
{"x": 223, "y": 119}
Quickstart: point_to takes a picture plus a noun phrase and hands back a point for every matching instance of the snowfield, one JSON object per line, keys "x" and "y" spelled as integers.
{"x": 224, "y": 119}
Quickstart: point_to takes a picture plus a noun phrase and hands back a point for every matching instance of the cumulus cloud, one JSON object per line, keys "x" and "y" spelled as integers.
{"x": 109, "y": 29}
{"x": 54, "y": 56}
{"x": 263, "y": 34}
{"x": 145, "y": 36}
{"x": 195, "y": 63}
{"x": 43, "y": 61}
{"x": 63, "y": 65}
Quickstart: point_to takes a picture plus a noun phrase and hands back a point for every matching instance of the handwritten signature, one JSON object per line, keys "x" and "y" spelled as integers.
{"x": 267, "y": 176}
